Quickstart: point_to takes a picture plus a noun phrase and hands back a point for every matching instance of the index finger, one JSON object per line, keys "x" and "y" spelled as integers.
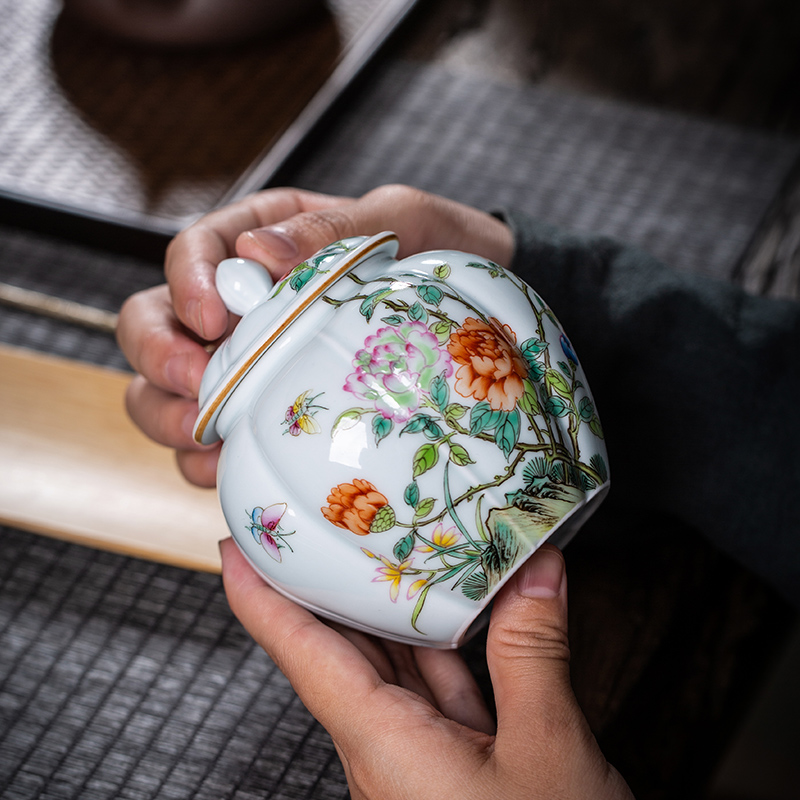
{"x": 192, "y": 256}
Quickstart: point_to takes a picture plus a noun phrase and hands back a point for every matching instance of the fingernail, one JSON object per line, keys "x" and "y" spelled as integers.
{"x": 187, "y": 425}
{"x": 194, "y": 313}
{"x": 277, "y": 242}
{"x": 542, "y": 576}
{"x": 178, "y": 372}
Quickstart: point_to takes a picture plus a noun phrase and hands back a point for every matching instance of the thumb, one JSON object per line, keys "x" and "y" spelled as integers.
{"x": 422, "y": 221}
{"x": 528, "y": 655}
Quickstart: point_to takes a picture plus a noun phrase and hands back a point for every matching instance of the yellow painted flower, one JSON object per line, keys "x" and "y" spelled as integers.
{"x": 416, "y": 586}
{"x": 392, "y": 573}
{"x": 441, "y": 538}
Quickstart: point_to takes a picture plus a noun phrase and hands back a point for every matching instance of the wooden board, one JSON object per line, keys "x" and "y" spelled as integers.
{"x": 73, "y": 466}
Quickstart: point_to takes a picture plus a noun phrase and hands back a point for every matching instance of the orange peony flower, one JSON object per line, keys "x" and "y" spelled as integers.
{"x": 353, "y": 506}
{"x": 491, "y": 368}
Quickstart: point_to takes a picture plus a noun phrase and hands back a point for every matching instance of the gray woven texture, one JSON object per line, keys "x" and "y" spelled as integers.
{"x": 688, "y": 190}
{"x": 124, "y": 679}
{"x": 105, "y": 127}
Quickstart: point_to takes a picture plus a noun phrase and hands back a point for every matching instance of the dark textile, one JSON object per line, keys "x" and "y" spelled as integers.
{"x": 697, "y": 385}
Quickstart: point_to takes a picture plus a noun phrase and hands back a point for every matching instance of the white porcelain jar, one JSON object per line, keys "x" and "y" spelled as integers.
{"x": 398, "y": 436}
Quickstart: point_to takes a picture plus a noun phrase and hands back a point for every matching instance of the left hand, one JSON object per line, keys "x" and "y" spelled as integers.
{"x": 164, "y": 331}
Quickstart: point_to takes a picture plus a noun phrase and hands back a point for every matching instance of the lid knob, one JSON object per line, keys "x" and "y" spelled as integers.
{"x": 242, "y": 284}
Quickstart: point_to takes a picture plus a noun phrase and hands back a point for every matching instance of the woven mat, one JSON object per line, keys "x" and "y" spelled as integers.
{"x": 124, "y": 679}
{"x": 690, "y": 191}
{"x": 152, "y": 137}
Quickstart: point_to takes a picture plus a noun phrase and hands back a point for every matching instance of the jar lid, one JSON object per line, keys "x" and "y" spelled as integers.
{"x": 271, "y": 317}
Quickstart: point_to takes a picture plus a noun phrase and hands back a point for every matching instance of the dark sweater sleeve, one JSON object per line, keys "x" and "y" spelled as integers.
{"x": 697, "y": 385}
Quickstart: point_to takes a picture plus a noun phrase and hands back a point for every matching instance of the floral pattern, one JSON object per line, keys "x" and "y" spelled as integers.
{"x": 491, "y": 367}
{"x": 396, "y": 367}
{"x": 355, "y": 506}
{"x": 393, "y": 573}
{"x": 306, "y": 271}
{"x": 462, "y": 386}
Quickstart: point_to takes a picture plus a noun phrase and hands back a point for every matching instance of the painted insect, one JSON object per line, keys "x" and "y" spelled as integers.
{"x": 300, "y": 416}
{"x": 266, "y": 529}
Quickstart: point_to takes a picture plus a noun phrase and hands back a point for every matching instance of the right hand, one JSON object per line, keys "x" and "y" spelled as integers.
{"x": 411, "y": 721}
{"x": 165, "y": 331}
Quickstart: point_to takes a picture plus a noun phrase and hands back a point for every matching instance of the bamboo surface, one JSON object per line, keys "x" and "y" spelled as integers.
{"x": 73, "y": 466}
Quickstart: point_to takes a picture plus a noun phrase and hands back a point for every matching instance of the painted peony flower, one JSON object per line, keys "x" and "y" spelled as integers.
{"x": 394, "y": 368}
{"x": 353, "y": 506}
{"x": 490, "y": 367}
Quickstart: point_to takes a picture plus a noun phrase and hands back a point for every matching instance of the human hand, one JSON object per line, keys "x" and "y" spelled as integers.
{"x": 164, "y": 331}
{"x": 411, "y": 722}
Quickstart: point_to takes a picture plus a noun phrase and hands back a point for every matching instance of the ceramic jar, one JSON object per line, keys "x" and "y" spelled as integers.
{"x": 398, "y": 436}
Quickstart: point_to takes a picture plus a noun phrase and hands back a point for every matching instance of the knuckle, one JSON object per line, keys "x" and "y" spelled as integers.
{"x": 331, "y": 224}
{"x": 398, "y": 195}
{"x": 541, "y": 641}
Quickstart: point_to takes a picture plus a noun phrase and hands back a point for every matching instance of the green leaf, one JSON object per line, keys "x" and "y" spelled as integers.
{"x": 529, "y": 402}
{"x": 454, "y": 412}
{"x": 430, "y": 294}
{"x": 476, "y": 587}
{"x": 536, "y": 371}
{"x": 411, "y": 494}
{"x": 459, "y": 455}
{"x": 442, "y": 271}
{"x": 482, "y": 417}
{"x": 493, "y": 269}
{"x": 596, "y": 428}
{"x": 556, "y": 381}
{"x": 323, "y": 257}
{"x": 418, "y": 608}
{"x": 425, "y": 458}
{"x": 370, "y": 302}
{"x": 536, "y": 469}
{"x": 440, "y": 391}
{"x": 300, "y": 278}
{"x": 507, "y": 433}
{"x": 586, "y": 409}
{"x": 599, "y": 466}
{"x": 441, "y": 330}
{"x": 403, "y": 548}
{"x": 424, "y": 507}
{"x": 381, "y": 427}
{"x": 384, "y": 520}
{"x": 531, "y": 348}
{"x": 557, "y": 407}
{"x": 347, "y": 419}
{"x": 417, "y": 313}
{"x": 417, "y": 424}
{"x": 433, "y": 431}
{"x": 392, "y": 319}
